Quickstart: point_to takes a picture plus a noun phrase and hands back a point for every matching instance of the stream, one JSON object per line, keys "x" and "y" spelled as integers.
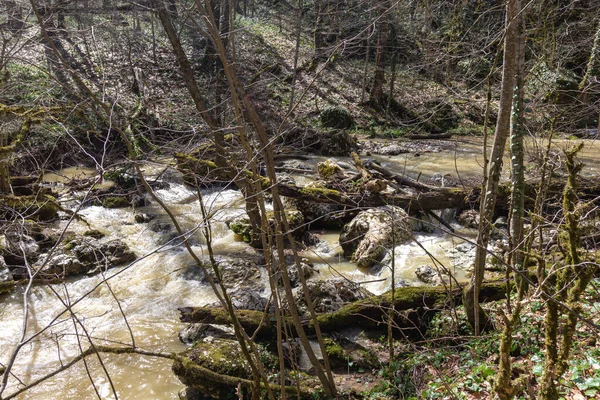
{"x": 150, "y": 290}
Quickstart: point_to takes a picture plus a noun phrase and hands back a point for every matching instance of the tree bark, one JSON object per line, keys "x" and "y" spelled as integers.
{"x": 475, "y": 314}
{"x": 376, "y": 95}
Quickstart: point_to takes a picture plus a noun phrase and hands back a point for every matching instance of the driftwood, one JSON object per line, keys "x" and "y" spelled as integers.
{"x": 415, "y": 306}
{"x": 401, "y": 179}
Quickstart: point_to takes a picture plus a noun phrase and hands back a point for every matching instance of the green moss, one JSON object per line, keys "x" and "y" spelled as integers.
{"x": 94, "y": 233}
{"x": 336, "y": 117}
{"x": 115, "y": 202}
{"x": 294, "y": 217}
{"x": 328, "y": 169}
{"x": 242, "y": 228}
{"x": 264, "y": 181}
{"x": 39, "y": 208}
{"x": 70, "y": 245}
{"x": 319, "y": 192}
{"x": 6, "y": 287}
{"x": 188, "y": 162}
{"x": 333, "y": 349}
{"x": 120, "y": 178}
{"x": 222, "y": 356}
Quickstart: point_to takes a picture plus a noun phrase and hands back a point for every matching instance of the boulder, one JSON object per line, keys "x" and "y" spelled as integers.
{"x": 428, "y": 274}
{"x": 15, "y": 247}
{"x": 336, "y": 117}
{"x": 469, "y": 219}
{"x": 306, "y": 267}
{"x": 37, "y": 207}
{"x": 222, "y": 356}
{"x": 337, "y": 143}
{"x": 320, "y": 215}
{"x": 196, "y": 331}
{"x": 85, "y": 256}
{"x": 330, "y": 170}
{"x": 6, "y": 277}
{"x": 240, "y": 225}
{"x": 367, "y": 237}
{"x": 329, "y": 295}
{"x": 236, "y": 273}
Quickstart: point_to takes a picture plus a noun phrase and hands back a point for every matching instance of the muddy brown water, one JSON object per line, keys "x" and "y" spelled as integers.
{"x": 150, "y": 290}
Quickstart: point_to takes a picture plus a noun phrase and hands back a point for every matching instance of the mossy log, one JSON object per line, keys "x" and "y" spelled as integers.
{"x": 437, "y": 198}
{"x": 415, "y": 306}
{"x": 193, "y": 375}
{"x": 37, "y": 207}
{"x": 433, "y": 200}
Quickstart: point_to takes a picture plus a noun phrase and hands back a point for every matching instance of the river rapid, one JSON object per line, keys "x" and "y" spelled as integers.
{"x": 149, "y": 291}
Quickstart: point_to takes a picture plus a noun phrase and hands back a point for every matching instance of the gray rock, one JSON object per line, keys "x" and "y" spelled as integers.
{"x": 248, "y": 300}
{"x": 85, "y": 255}
{"x": 469, "y": 219}
{"x": 428, "y": 274}
{"x": 329, "y": 295}
{"x": 337, "y": 143}
{"x": 319, "y": 215}
{"x": 197, "y": 331}
{"x": 391, "y": 150}
{"x": 15, "y": 247}
{"x": 238, "y": 273}
{"x": 143, "y": 218}
{"x": 367, "y": 237}
{"x": 5, "y": 274}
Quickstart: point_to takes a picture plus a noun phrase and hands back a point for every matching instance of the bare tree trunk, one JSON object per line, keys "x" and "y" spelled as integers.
{"x": 376, "y": 95}
{"x": 296, "y": 54}
{"x": 475, "y": 314}
{"x": 4, "y": 155}
{"x": 517, "y": 133}
{"x": 505, "y": 387}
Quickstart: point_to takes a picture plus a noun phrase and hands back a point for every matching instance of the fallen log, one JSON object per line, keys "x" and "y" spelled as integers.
{"x": 401, "y": 179}
{"x": 415, "y": 306}
{"x": 432, "y": 200}
{"x": 438, "y": 198}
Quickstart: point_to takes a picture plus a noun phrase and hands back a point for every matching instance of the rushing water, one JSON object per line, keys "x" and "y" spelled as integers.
{"x": 150, "y": 290}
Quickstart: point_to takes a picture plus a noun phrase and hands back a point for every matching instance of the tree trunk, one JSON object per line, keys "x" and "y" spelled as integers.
{"x": 475, "y": 314}
{"x": 4, "y": 162}
{"x": 376, "y": 95}
{"x": 517, "y": 133}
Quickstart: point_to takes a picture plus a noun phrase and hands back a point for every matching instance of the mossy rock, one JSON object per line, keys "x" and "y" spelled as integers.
{"x": 337, "y": 142}
{"x": 37, "y": 208}
{"x": 336, "y": 117}
{"x": 94, "y": 233}
{"x": 328, "y": 169}
{"x": 223, "y": 356}
{"x": 346, "y": 354}
{"x": 115, "y": 202}
{"x": 120, "y": 178}
{"x": 242, "y": 228}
